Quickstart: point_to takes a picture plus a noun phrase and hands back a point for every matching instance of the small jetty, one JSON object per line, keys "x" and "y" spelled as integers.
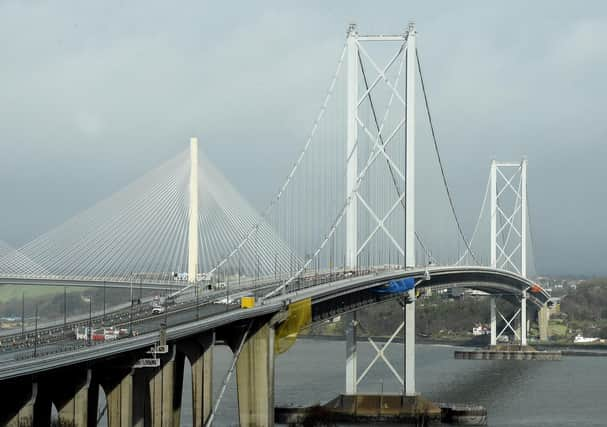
{"x": 375, "y": 409}
{"x": 507, "y": 352}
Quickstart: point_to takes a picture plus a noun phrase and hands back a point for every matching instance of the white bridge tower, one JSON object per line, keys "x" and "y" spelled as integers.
{"x": 508, "y": 187}
{"x": 404, "y": 244}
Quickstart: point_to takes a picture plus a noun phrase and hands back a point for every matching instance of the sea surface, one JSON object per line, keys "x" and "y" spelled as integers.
{"x": 570, "y": 392}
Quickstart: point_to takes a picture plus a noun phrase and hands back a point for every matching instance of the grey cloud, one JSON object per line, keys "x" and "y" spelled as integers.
{"x": 93, "y": 95}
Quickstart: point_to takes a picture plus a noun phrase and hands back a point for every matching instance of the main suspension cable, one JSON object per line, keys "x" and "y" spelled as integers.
{"x": 440, "y": 162}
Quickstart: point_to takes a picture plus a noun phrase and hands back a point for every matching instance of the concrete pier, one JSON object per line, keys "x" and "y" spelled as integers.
{"x": 118, "y": 388}
{"x": 390, "y": 409}
{"x": 507, "y": 353}
{"x": 202, "y": 380}
{"x": 161, "y": 390}
{"x": 255, "y": 378}
{"x": 543, "y": 317}
{"x": 199, "y": 352}
{"x": 136, "y": 393}
{"x": 374, "y": 409}
{"x": 18, "y": 406}
{"x": 72, "y": 400}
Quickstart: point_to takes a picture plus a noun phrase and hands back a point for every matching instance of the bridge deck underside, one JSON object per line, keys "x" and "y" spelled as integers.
{"x": 337, "y": 301}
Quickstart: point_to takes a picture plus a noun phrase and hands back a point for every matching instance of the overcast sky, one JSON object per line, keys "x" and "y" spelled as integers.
{"x": 93, "y": 94}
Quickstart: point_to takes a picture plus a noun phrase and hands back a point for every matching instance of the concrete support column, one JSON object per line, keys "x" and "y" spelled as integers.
{"x": 255, "y": 378}
{"x": 142, "y": 406}
{"x": 72, "y": 398}
{"x": 119, "y": 397}
{"x": 177, "y": 387}
{"x": 524, "y": 319}
{"x": 200, "y": 355}
{"x": 351, "y": 354}
{"x": 493, "y": 322}
{"x": 162, "y": 396}
{"x": 42, "y": 407}
{"x": 93, "y": 403}
{"x": 18, "y": 404}
{"x": 543, "y": 317}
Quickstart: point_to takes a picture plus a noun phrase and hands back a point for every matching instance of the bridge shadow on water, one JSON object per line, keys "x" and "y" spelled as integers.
{"x": 479, "y": 382}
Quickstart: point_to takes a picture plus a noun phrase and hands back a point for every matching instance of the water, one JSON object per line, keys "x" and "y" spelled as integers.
{"x": 571, "y": 392}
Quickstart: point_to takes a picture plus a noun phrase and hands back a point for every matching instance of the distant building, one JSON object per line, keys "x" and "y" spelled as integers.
{"x": 479, "y": 330}
{"x": 579, "y": 339}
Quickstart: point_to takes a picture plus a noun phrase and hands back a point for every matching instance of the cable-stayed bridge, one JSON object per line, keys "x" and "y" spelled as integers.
{"x": 365, "y": 214}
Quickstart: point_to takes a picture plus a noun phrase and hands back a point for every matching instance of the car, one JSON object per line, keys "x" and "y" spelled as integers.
{"x": 158, "y": 309}
{"x": 227, "y": 300}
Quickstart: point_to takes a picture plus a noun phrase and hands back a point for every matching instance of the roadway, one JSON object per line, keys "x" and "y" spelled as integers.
{"x": 329, "y": 293}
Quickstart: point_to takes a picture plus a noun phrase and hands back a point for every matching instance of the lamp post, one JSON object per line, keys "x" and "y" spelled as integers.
{"x": 131, "y": 307}
{"x": 227, "y": 293}
{"x": 36, "y": 331}
{"x": 104, "y": 302}
{"x": 90, "y": 320}
{"x": 22, "y": 314}
{"x": 131, "y": 286}
{"x": 64, "y": 308}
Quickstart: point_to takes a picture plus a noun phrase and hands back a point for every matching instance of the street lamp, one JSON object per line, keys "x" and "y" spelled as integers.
{"x": 23, "y": 315}
{"x": 36, "y": 331}
{"x": 131, "y": 286}
{"x": 104, "y": 303}
{"x": 90, "y": 331}
{"x": 64, "y": 309}
{"x": 90, "y": 319}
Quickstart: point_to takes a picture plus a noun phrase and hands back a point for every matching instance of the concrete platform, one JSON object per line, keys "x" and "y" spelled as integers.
{"x": 373, "y": 409}
{"x": 507, "y": 352}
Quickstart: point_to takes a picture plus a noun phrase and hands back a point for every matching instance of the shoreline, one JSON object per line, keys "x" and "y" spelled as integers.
{"x": 381, "y": 339}
{"x": 567, "y": 350}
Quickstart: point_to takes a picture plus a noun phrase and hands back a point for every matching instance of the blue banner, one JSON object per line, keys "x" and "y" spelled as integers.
{"x": 396, "y": 286}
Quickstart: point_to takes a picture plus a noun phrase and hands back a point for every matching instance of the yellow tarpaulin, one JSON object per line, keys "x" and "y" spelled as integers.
{"x": 299, "y": 316}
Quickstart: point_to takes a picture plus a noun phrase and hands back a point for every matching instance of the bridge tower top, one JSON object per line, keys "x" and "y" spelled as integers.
{"x": 359, "y": 92}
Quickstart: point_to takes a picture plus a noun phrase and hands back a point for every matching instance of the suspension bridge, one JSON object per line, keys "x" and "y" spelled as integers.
{"x": 365, "y": 214}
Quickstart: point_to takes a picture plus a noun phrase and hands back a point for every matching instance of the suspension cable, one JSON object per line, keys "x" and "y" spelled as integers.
{"x": 440, "y": 162}
{"x": 477, "y": 221}
{"x": 294, "y": 169}
{"x": 531, "y": 236}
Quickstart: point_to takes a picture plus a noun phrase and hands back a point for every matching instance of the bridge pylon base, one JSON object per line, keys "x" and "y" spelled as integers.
{"x": 383, "y": 408}
{"x": 507, "y": 352}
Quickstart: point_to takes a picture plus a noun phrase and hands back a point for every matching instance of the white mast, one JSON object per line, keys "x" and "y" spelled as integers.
{"x": 351, "y": 147}
{"x": 410, "y": 210}
{"x": 193, "y": 226}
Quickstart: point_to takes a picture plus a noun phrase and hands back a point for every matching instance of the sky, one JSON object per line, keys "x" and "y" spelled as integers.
{"x": 92, "y": 95}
